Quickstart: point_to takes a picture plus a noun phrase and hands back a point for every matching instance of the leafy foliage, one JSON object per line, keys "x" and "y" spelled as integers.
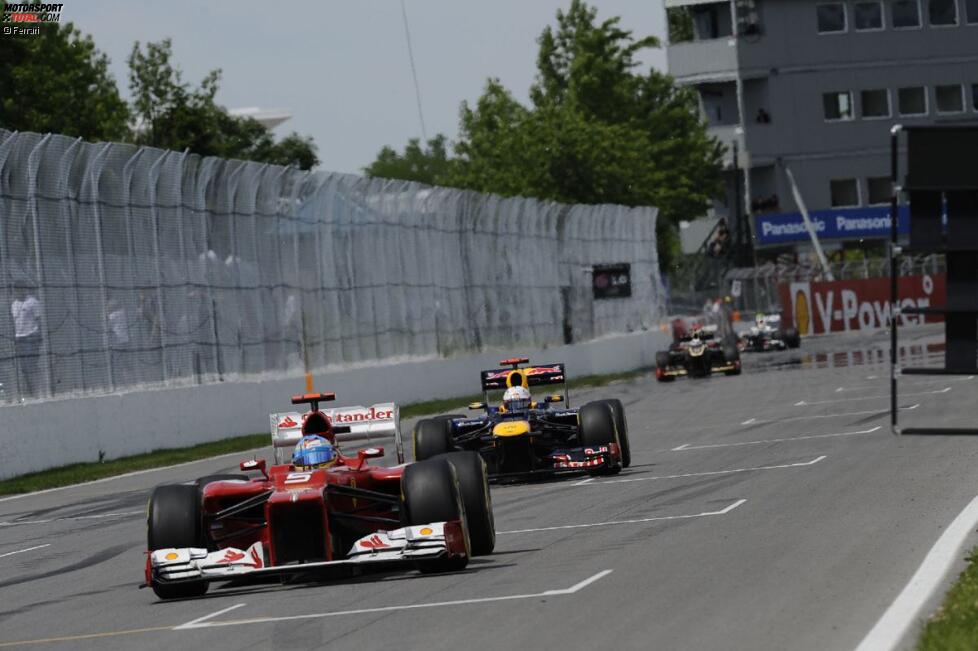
{"x": 57, "y": 81}
{"x": 174, "y": 115}
{"x": 597, "y": 131}
{"x": 429, "y": 165}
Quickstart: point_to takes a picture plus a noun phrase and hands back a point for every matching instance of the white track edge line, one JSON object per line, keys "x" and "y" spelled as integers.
{"x": 904, "y": 612}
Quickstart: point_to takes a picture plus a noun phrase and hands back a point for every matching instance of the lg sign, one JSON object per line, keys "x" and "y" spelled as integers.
{"x": 845, "y": 305}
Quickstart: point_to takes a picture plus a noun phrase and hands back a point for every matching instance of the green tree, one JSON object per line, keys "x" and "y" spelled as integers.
{"x": 428, "y": 165}
{"x": 174, "y": 115}
{"x": 57, "y": 81}
{"x": 597, "y": 131}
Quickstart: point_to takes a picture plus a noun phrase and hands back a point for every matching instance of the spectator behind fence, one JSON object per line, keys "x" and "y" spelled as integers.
{"x": 26, "y": 311}
{"x": 118, "y": 320}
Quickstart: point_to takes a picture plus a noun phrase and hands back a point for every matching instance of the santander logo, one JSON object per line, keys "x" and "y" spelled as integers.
{"x": 366, "y": 414}
{"x": 288, "y": 422}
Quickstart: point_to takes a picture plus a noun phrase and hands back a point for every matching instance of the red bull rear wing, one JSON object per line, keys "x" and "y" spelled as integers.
{"x": 502, "y": 378}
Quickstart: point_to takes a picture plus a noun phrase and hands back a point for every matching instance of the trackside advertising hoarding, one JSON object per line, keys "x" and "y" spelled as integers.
{"x": 843, "y": 305}
{"x": 832, "y": 224}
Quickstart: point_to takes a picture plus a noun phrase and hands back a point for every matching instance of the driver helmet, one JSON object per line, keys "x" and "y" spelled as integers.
{"x": 313, "y": 452}
{"x": 516, "y": 399}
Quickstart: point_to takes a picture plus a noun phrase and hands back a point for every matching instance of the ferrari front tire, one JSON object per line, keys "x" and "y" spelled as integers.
{"x": 473, "y": 485}
{"x": 430, "y": 493}
{"x": 174, "y": 521}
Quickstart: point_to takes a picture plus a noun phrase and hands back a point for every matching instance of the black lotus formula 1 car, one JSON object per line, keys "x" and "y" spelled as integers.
{"x": 696, "y": 354}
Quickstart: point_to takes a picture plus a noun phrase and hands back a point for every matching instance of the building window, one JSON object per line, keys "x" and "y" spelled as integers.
{"x": 831, "y": 17}
{"x": 867, "y": 16}
{"x": 912, "y": 101}
{"x": 880, "y": 190}
{"x": 942, "y": 12}
{"x": 845, "y": 192}
{"x": 905, "y": 14}
{"x": 838, "y": 106}
{"x": 950, "y": 99}
{"x": 971, "y": 11}
{"x": 875, "y": 103}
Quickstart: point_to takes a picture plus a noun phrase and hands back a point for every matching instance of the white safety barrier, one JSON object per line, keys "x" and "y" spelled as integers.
{"x": 39, "y": 436}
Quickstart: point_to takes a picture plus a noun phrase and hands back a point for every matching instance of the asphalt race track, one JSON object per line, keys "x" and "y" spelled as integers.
{"x": 774, "y": 510}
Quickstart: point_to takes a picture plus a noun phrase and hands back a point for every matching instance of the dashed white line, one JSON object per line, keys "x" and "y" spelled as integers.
{"x": 805, "y": 403}
{"x": 689, "y": 446}
{"x": 583, "y": 481}
{"x": 29, "y": 549}
{"x": 749, "y": 421}
{"x": 904, "y": 612}
{"x": 206, "y": 622}
{"x": 610, "y": 523}
{"x": 709, "y": 473}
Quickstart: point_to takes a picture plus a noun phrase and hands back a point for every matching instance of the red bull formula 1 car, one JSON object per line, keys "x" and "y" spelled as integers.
{"x": 542, "y": 437}
{"x": 338, "y": 520}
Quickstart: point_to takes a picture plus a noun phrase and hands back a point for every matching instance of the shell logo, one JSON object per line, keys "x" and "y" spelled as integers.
{"x": 427, "y": 531}
{"x": 172, "y": 556}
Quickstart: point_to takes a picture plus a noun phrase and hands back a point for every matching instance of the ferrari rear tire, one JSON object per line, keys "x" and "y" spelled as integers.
{"x": 597, "y": 428}
{"x": 473, "y": 484}
{"x": 618, "y": 411}
{"x": 432, "y": 436}
{"x": 174, "y": 521}
{"x": 430, "y": 493}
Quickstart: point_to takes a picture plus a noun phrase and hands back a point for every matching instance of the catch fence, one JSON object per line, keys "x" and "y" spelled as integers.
{"x": 128, "y": 267}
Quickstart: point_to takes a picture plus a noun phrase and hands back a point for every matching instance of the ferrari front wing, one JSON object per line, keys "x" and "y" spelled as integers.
{"x": 383, "y": 548}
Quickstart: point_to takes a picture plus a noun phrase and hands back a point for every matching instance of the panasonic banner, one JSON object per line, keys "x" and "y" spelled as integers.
{"x": 832, "y": 224}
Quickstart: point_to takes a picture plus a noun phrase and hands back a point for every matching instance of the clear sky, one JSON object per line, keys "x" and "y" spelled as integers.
{"x": 341, "y": 67}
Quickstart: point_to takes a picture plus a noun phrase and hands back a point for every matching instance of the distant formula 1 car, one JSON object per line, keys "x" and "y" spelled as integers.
{"x": 767, "y": 334}
{"x": 318, "y": 522}
{"x": 696, "y": 353}
{"x": 542, "y": 437}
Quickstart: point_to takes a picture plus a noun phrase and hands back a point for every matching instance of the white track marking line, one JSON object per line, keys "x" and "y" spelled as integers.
{"x": 689, "y": 446}
{"x": 610, "y": 523}
{"x": 583, "y": 481}
{"x": 201, "y": 623}
{"x": 904, "y": 612}
{"x": 135, "y": 473}
{"x": 787, "y": 419}
{"x": 29, "y": 549}
{"x": 805, "y": 403}
{"x": 197, "y": 623}
{"x": 919, "y": 383}
{"x": 15, "y": 523}
{"x": 707, "y": 474}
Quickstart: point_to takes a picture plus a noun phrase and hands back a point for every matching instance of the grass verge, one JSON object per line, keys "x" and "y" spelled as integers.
{"x": 955, "y": 624}
{"x": 82, "y": 472}
{"x": 77, "y": 473}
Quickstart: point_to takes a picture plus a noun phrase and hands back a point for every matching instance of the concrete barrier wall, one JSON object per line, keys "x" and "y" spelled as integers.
{"x": 38, "y": 436}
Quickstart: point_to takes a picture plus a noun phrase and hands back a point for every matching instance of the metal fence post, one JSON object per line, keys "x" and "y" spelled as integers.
{"x": 100, "y": 259}
{"x": 38, "y": 265}
{"x": 154, "y": 211}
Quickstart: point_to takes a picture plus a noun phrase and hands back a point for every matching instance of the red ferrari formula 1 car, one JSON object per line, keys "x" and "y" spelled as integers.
{"x": 313, "y": 524}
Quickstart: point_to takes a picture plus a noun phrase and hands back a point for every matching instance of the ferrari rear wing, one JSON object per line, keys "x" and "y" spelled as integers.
{"x": 352, "y": 424}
